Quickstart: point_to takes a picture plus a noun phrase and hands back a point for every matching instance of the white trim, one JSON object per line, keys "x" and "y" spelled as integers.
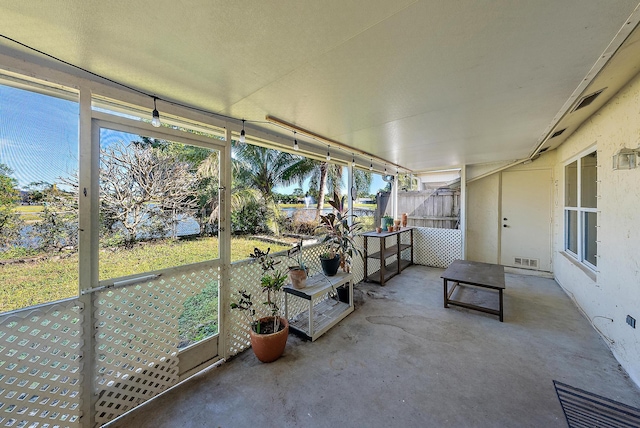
{"x": 579, "y": 256}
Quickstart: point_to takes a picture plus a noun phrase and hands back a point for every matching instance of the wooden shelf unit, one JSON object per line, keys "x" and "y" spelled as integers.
{"x": 387, "y": 271}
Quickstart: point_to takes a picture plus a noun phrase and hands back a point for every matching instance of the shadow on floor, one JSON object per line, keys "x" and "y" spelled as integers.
{"x": 401, "y": 359}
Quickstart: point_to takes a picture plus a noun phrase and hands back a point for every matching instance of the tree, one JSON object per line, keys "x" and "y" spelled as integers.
{"x": 298, "y": 192}
{"x": 58, "y": 227}
{"x": 405, "y": 182}
{"x": 264, "y": 169}
{"x": 37, "y": 191}
{"x": 327, "y": 178}
{"x": 362, "y": 181}
{"x": 144, "y": 190}
{"x": 10, "y": 222}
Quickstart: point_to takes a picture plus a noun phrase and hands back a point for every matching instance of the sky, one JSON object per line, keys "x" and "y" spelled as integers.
{"x": 39, "y": 138}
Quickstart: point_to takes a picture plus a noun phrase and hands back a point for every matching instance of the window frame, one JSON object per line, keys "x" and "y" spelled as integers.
{"x": 104, "y": 120}
{"x": 581, "y": 212}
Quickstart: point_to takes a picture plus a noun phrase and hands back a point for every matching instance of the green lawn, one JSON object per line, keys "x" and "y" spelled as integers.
{"x": 29, "y": 213}
{"x": 31, "y": 283}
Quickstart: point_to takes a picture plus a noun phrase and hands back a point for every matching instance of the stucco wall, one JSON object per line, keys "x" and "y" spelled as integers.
{"x": 615, "y": 292}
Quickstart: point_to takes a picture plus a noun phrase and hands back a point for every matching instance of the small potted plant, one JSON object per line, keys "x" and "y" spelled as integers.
{"x": 268, "y": 334}
{"x": 340, "y": 234}
{"x": 298, "y": 272}
{"x": 330, "y": 261}
{"x": 387, "y": 221}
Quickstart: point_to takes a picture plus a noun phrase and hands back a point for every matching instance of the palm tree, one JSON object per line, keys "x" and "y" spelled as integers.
{"x": 264, "y": 169}
{"x": 327, "y": 178}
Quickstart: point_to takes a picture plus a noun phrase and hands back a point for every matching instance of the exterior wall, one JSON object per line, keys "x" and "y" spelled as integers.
{"x": 613, "y": 291}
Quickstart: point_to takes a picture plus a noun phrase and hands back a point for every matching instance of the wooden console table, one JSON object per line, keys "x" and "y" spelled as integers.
{"x": 387, "y": 271}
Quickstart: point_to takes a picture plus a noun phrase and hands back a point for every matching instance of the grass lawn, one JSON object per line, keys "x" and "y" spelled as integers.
{"x": 29, "y": 213}
{"x": 32, "y": 283}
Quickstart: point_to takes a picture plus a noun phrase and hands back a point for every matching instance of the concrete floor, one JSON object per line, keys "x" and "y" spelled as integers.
{"x": 402, "y": 360}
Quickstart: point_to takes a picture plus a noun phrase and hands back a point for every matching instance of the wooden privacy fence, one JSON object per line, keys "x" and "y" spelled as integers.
{"x": 438, "y": 208}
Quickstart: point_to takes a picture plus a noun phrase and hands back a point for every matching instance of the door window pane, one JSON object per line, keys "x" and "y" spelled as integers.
{"x": 588, "y": 177}
{"x": 590, "y": 231}
{"x": 158, "y": 204}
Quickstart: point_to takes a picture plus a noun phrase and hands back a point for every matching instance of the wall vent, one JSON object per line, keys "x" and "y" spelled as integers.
{"x": 557, "y": 133}
{"x": 526, "y": 263}
{"x": 587, "y": 99}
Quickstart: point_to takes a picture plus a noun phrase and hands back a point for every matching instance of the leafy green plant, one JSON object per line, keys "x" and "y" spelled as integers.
{"x": 271, "y": 282}
{"x": 295, "y": 254}
{"x": 328, "y": 255}
{"x": 339, "y": 233}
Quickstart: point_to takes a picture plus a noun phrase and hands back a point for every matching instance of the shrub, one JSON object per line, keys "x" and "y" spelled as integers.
{"x": 250, "y": 220}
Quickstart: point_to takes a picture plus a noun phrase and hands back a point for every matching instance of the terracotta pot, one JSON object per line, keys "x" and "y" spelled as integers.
{"x": 378, "y": 230}
{"x": 269, "y": 347}
{"x": 298, "y": 278}
{"x": 404, "y": 220}
{"x": 390, "y": 228}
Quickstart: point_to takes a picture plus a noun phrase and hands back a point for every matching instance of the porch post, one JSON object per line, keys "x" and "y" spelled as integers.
{"x": 224, "y": 242}
{"x": 88, "y": 227}
{"x": 394, "y": 197}
{"x": 463, "y": 210}
{"x": 350, "y": 194}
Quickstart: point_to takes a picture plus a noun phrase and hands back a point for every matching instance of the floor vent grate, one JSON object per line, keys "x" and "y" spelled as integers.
{"x": 585, "y": 409}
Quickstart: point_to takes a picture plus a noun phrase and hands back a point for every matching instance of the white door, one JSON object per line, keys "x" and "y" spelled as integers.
{"x": 525, "y": 224}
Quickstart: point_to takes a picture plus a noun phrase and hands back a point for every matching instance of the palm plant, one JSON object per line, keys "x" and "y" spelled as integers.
{"x": 264, "y": 169}
{"x": 324, "y": 176}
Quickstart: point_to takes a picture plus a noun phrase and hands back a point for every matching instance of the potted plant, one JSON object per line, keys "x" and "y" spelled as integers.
{"x": 330, "y": 261}
{"x": 387, "y": 221}
{"x": 268, "y": 334}
{"x": 298, "y": 272}
{"x": 340, "y": 234}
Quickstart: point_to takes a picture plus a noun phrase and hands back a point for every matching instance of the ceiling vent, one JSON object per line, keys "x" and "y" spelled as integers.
{"x": 588, "y": 99}
{"x": 557, "y": 133}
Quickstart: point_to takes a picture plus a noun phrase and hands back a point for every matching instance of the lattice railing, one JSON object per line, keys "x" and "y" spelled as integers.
{"x": 136, "y": 342}
{"x": 245, "y": 276}
{"x": 136, "y": 337}
{"x": 436, "y": 247}
{"x": 40, "y": 366}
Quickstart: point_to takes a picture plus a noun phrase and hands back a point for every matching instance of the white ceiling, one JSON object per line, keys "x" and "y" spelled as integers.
{"x": 424, "y": 84}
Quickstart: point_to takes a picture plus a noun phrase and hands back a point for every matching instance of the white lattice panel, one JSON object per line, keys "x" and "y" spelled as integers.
{"x": 245, "y": 275}
{"x": 436, "y": 247}
{"x": 357, "y": 263}
{"x": 137, "y": 338}
{"x": 40, "y": 368}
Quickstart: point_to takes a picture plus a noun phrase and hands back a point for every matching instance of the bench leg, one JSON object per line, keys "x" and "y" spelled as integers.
{"x": 501, "y": 307}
